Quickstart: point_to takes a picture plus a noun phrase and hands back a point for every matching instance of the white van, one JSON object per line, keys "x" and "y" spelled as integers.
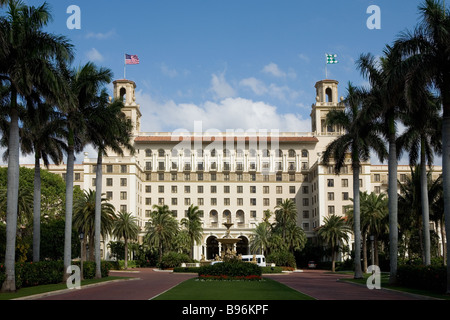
{"x": 260, "y": 259}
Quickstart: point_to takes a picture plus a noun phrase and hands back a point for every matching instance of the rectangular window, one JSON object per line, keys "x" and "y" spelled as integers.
{"x": 279, "y": 189}
{"x": 253, "y": 201}
{"x": 265, "y": 189}
{"x": 123, "y": 195}
{"x": 345, "y": 182}
{"x": 214, "y": 201}
{"x": 109, "y": 182}
{"x": 330, "y": 182}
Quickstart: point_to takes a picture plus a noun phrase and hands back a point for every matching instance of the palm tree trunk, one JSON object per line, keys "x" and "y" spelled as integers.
{"x": 357, "y": 222}
{"x": 425, "y": 205}
{"x": 446, "y": 181}
{"x": 98, "y": 214}
{"x": 126, "y": 253}
{"x": 69, "y": 206}
{"x": 364, "y": 249}
{"x": 9, "y": 285}
{"x": 333, "y": 260}
{"x": 393, "y": 207}
{"x": 37, "y": 208}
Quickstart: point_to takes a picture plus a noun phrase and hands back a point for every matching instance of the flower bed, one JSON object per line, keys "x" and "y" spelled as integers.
{"x": 233, "y": 270}
{"x": 225, "y": 277}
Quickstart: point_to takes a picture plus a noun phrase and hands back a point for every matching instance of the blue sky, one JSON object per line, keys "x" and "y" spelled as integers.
{"x": 231, "y": 64}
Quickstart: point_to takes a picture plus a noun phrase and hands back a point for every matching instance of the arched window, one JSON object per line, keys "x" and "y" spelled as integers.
{"x": 122, "y": 93}
{"x": 226, "y": 152}
{"x": 265, "y": 153}
{"x": 161, "y": 153}
{"x": 304, "y": 153}
{"x": 213, "y": 152}
{"x": 239, "y": 153}
{"x": 291, "y": 153}
{"x": 187, "y": 152}
{"x": 252, "y": 153}
{"x": 279, "y": 153}
{"x": 329, "y": 94}
{"x": 148, "y": 153}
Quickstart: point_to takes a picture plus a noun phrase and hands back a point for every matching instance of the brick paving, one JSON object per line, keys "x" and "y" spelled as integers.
{"x": 148, "y": 283}
{"x": 323, "y": 285}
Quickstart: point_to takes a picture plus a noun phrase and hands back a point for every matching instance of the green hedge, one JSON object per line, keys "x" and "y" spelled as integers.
{"x": 30, "y": 274}
{"x": 232, "y": 269}
{"x": 433, "y": 278}
{"x": 173, "y": 260}
{"x": 285, "y": 259}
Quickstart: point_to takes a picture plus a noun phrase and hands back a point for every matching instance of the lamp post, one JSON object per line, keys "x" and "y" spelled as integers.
{"x": 81, "y": 253}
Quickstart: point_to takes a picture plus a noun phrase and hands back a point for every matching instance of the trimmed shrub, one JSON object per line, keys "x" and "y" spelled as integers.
{"x": 231, "y": 269}
{"x": 173, "y": 259}
{"x": 284, "y": 258}
{"x": 433, "y": 278}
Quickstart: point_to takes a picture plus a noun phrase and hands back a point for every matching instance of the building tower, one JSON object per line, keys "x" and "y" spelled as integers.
{"x": 326, "y": 100}
{"x": 125, "y": 90}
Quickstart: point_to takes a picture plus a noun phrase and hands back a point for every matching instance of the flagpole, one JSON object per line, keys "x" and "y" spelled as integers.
{"x": 124, "y": 67}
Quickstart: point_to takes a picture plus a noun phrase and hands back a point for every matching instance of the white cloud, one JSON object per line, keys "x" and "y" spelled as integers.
{"x": 229, "y": 113}
{"x": 273, "y": 69}
{"x": 220, "y": 87}
{"x": 100, "y": 35}
{"x": 94, "y": 56}
{"x": 257, "y": 86}
{"x": 171, "y": 73}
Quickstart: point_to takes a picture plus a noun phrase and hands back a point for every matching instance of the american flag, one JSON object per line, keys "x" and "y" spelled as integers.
{"x": 131, "y": 59}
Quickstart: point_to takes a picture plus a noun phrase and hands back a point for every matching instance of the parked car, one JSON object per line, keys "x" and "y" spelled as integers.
{"x": 312, "y": 264}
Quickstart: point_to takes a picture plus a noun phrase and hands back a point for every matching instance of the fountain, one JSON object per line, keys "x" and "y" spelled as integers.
{"x": 228, "y": 242}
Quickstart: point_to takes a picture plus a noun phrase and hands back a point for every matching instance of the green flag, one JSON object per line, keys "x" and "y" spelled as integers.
{"x": 331, "y": 58}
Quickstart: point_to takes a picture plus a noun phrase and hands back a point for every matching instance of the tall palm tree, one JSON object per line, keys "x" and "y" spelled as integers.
{"x": 107, "y": 128}
{"x": 29, "y": 59}
{"x": 83, "y": 87}
{"x": 125, "y": 226}
{"x": 427, "y": 48}
{"x": 193, "y": 225}
{"x": 422, "y": 138}
{"x": 359, "y": 139}
{"x": 84, "y": 217}
{"x": 386, "y": 96}
{"x": 334, "y": 231}
{"x": 161, "y": 228}
{"x": 43, "y": 135}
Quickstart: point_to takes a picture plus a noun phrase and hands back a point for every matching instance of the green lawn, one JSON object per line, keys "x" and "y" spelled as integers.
{"x": 385, "y": 284}
{"x": 266, "y": 289}
{"x": 29, "y": 291}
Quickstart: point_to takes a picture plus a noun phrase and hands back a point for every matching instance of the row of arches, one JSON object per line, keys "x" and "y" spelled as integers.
{"x": 226, "y": 153}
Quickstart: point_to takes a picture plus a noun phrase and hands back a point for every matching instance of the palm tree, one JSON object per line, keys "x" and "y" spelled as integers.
{"x": 373, "y": 212}
{"x": 385, "y": 98}
{"x": 83, "y": 87}
{"x": 360, "y": 137}
{"x": 285, "y": 214}
{"x": 422, "y": 139}
{"x": 84, "y": 217}
{"x": 334, "y": 231}
{"x": 29, "y": 58}
{"x": 161, "y": 228}
{"x": 125, "y": 226}
{"x": 260, "y": 238}
{"x": 107, "y": 128}
{"x": 427, "y": 48}
{"x": 193, "y": 225}
{"x": 43, "y": 134}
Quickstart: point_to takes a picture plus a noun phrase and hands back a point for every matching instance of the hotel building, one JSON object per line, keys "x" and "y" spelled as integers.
{"x": 230, "y": 176}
